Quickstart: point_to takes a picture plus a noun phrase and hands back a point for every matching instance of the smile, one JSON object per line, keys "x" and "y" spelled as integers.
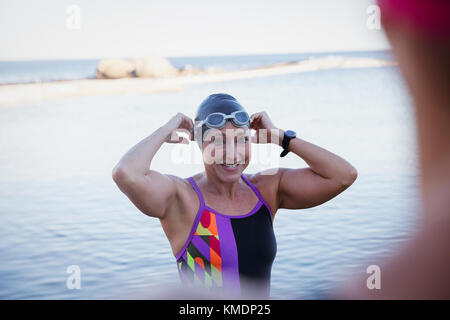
{"x": 230, "y": 167}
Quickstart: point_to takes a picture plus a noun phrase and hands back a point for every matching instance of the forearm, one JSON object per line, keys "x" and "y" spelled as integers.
{"x": 323, "y": 162}
{"x": 138, "y": 159}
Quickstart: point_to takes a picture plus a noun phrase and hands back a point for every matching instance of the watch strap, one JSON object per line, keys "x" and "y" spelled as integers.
{"x": 284, "y": 152}
{"x": 285, "y": 143}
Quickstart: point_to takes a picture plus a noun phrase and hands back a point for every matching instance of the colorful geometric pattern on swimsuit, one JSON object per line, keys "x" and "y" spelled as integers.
{"x": 204, "y": 252}
{"x": 222, "y": 250}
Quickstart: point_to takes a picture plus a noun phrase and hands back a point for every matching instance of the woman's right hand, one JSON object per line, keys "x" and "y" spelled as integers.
{"x": 180, "y": 123}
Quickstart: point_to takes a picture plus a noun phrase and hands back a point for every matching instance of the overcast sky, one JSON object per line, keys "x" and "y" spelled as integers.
{"x": 48, "y": 29}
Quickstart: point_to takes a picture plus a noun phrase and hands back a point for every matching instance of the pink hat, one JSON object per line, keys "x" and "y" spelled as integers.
{"x": 430, "y": 17}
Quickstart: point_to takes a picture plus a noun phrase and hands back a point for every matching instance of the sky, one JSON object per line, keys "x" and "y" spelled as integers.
{"x": 79, "y": 29}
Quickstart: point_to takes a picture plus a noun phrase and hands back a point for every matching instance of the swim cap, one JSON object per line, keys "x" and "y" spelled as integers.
{"x": 429, "y": 17}
{"x": 217, "y": 102}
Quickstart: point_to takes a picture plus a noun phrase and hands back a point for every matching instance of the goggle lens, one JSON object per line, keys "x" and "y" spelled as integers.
{"x": 241, "y": 117}
{"x": 215, "y": 119}
{"x": 218, "y": 120}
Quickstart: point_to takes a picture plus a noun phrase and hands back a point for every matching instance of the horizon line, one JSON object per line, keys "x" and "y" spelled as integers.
{"x": 198, "y": 56}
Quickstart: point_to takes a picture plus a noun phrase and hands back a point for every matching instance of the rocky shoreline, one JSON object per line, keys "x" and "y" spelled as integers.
{"x": 152, "y": 75}
{"x": 149, "y": 67}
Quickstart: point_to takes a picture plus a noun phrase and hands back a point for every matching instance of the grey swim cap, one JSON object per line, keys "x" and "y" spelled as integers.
{"x": 217, "y": 102}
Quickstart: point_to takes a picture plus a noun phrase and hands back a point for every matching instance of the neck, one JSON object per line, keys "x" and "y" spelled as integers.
{"x": 217, "y": 186}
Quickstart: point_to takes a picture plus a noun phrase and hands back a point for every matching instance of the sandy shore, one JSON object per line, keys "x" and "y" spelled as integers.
{"x": 38, "y": 92}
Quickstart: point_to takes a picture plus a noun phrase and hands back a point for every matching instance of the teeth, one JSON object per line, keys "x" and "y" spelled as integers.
{"x": 231, "y": 165}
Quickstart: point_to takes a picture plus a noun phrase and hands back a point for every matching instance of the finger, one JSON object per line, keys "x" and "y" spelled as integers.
{"x": 255, "y": 115}
{"x": 173, "y": 136}
{"x": 178, "y": 139}
{"x": 188, "y": 122}
{"x": 255, "y": 123}
{"x": 185, "y": 135}
{"x": 183, "y": 140}
{"x": 183, "y": 131}
{"x": 184, "y": 120}
{"x": 184, "y": 124}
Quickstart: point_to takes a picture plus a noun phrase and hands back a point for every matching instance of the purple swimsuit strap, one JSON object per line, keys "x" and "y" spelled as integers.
{"x": 256, "y": 191}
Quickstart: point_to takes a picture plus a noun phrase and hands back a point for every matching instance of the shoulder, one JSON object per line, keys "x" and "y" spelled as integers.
{"x": 268, "y": 178}
{"x": 267, "y": 182}
{"x": 186, "y": 192}
{"x": 184, "y": 182}
{"x": 187, "y": 204}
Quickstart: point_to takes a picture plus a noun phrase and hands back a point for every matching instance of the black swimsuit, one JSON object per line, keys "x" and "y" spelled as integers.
{"x": 233, "y": 253}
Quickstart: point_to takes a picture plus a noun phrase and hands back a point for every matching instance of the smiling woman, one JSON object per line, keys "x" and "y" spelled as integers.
{"x": 219, "y": 222}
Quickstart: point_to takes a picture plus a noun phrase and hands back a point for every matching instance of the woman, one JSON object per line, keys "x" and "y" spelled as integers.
{"x": 419, "y": 33}
{"x": 219, "y": 222}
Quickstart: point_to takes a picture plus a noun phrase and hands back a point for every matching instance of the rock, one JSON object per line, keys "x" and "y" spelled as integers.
{"x": 155, "y": 67}
{"x": 137, "y": 64}
{"x": 114, "y": 69}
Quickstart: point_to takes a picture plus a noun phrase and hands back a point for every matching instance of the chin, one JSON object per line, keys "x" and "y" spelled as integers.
{"x": 230, "y": 173}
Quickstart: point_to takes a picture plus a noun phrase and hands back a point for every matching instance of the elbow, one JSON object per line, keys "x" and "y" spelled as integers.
{"x": 120, "y": 175}
{"x": 349, "y": 177}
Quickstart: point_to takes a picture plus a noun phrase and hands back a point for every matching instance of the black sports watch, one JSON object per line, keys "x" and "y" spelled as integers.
{"x": 288, "y": 135}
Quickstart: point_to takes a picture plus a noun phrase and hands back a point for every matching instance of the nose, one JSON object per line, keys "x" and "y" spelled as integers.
{"x": 231, "y": 155}
{"x": 234, "y": 153}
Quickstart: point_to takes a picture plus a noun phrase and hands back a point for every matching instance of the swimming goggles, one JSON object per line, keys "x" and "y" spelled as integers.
{"x": 218, "y": 119}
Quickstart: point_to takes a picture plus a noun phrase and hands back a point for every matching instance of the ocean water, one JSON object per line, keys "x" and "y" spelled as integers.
{"x": 59, "y": 206}
{"x": 54, "y": 70}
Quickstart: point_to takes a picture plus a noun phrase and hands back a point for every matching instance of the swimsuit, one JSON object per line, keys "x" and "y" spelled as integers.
{"x": 229, "y": 253}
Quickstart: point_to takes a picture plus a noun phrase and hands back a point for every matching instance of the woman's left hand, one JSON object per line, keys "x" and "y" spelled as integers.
{"x": 266, "y": 131}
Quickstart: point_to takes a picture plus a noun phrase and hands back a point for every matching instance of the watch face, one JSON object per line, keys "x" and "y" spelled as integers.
{"x": 290, "y": 133}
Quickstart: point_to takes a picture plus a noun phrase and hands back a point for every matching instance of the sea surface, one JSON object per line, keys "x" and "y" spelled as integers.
{"x": 56, "y": 70}
{"x": 59, "y": 206}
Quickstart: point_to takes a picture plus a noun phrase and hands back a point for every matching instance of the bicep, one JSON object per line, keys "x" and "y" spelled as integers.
{"x": 303, "y": 188}
{"x": 152, "y": 193}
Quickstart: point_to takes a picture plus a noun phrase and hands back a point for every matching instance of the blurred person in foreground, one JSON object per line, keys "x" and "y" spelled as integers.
{"x": 419, "y": 33}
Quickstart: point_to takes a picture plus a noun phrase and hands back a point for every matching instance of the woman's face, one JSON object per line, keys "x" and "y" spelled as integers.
{"x": 226, "y": 151}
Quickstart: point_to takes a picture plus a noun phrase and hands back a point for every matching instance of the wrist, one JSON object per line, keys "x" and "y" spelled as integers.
{"x": 287, "y": 137}
{"x": 172, "y": 124}
{"x": 277, "y": 136}
{"x": 166, "y": 131}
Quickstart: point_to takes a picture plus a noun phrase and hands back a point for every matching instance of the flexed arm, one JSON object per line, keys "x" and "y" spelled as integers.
{"x": 151, "y": 192}
{"x": 326, "y": 177}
